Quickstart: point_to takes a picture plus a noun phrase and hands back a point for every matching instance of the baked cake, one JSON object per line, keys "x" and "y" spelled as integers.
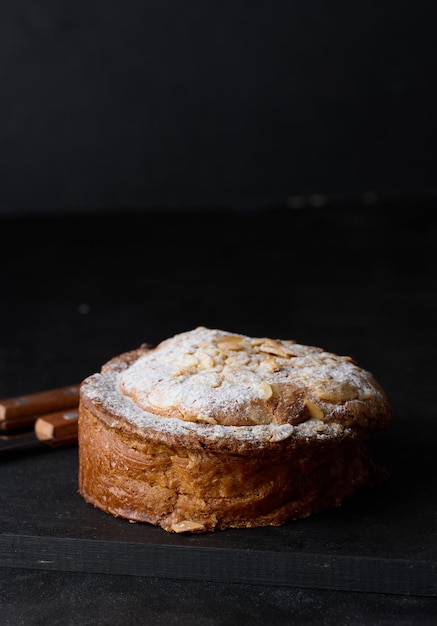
{"x": 212, "y": 429}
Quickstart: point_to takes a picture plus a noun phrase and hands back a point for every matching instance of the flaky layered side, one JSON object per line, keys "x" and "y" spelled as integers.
{"x": 211, "y": 430}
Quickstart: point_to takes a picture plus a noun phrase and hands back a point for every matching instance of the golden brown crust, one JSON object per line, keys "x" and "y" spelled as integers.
{"x": 299, "y": 451}
{"x": 201, "y": 490}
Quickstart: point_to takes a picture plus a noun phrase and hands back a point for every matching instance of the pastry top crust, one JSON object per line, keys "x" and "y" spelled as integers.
{"x": 222, "y": 388}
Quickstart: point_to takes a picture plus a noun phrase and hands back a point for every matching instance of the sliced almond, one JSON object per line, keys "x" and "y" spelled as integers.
{"x": 257, "y": 414}
{"x": 230, "y": 338}
{"x": 159, "y": 399}
{"x": 270, "y": 365}
{"x": 266, "y": 391}
{"x": 204, "y": 419}
{"x": 277, "y": 350}
{"x": 282, "y": 432}
{"x": 336, "y": 392}
{"x": 314, "y": 410}
{"x": 187, "y": 526}
{"x": 270, "y": 342}
{"x": 190, "y": 361}
{"x": 257, "y": 341}
{"x": 230, "y": 345}
{"x": 205, "y": 361}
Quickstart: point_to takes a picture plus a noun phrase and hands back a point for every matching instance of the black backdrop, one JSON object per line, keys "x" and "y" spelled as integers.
{"x": 110, "y": 104}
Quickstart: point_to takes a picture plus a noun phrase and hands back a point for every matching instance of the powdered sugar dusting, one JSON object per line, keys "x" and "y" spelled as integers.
{"x": 211, "y": 373}
{"x": 103, "y": 390}
{"x": 192, "y": 382}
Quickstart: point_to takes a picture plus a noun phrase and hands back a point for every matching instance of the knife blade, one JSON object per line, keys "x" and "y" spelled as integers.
{"x": 21, "y": 412}
{"x": 58, "y": 429}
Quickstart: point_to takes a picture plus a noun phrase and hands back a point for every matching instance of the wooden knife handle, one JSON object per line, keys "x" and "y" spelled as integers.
{"x": 58, "y": 429}
{"x": 22, "y": 411}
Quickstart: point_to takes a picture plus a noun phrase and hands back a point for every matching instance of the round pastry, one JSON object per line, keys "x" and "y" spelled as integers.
{"x": 213, "y": 429}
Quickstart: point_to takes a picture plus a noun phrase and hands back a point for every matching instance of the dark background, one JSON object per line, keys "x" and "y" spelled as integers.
{"x": 264, "y": 168}
{"x": 114, "y": 105}
{"x": 354, "y": 280}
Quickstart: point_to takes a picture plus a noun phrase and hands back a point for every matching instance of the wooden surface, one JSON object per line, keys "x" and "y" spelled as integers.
{"x": 19, "y": 412}
{"x": 358, "y": 282}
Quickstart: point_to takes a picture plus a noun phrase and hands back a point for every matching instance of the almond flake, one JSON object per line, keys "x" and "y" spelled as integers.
{"x": 314, "y": 410}
{"x": 186, "y": 526}
{"x": 230, "y": 345}
{"x": 203, "y": 419}
{"x": 266, "y": 390}
{"x": 276, "y": 350}
{"x": 282, "y": 432}
{"x": 227, "y": 338}
{"x": 270, "y": 365}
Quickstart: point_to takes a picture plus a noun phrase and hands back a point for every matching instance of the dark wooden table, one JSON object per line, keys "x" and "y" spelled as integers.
{"x": 76, "y": 290}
